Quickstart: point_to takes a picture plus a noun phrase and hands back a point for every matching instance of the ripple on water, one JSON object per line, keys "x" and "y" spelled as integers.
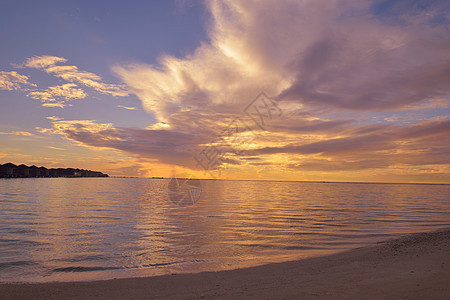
{"x": 100, "y": 228}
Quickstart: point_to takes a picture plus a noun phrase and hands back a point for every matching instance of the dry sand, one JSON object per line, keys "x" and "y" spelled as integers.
{"x": 412, "y": 267}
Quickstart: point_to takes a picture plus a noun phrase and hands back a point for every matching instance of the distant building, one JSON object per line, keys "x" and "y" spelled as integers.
{"x": 44, "y": 172}
{"x": 34, "y": 171}
{"x": 10, "y": 170}
{"x": 23, "y": 171}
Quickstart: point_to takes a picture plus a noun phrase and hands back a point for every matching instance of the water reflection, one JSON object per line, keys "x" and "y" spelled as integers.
{"x": 98, "y": 228}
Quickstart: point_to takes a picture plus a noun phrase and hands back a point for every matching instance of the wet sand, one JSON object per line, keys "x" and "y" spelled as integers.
{"x": 416, "y": 266}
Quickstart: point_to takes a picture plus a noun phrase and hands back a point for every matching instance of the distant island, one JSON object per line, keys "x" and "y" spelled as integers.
{"x": 10, "y": 170}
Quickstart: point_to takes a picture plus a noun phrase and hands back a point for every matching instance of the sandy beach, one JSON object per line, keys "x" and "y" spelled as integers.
{"x": 416, "y": 266}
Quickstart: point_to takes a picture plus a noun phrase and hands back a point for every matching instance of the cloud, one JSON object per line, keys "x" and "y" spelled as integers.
{"x": 158, "y": 145}
{"x": 90, "y": 126}
{"x": 13, "y": 81}
{"x": 19, "y": 133}
{"x": 58, "y": 95}
{"x": 329, "y": 65}
{"x": 354, "y": 147}
{"x": 72, "y": 74}
{"x": 59, "y": 104}
{"x": 321, "y": 61}
{"x": 54, "y": 118}
{"x": 372, "y": 142}
{"x": 55, "y": 148}
{"x": 377, "y": 81}
{"x": 42, "y": 62}
{"x": 127, "y": 107}
{"x": 425, "y": 143}
{"x": 341, "y": 54}
{"x": 209, "y": 80}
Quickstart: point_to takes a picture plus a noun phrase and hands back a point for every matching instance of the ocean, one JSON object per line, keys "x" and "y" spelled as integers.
{"x": 74, "y": 229}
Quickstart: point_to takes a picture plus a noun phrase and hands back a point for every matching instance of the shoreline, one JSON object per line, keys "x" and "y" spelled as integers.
{"x": 415, "y": 266}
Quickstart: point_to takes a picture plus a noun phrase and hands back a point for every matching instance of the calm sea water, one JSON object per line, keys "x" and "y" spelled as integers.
{"x": 59, "y": 229}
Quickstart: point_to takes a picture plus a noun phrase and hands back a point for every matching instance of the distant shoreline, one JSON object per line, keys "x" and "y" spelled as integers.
{"x": 10, "y": 170}
{"x": 258, "y": 180}
{"x": 306, "y": 181}
{"x": 415, "y": 266}
{"x": 55, "y": 177}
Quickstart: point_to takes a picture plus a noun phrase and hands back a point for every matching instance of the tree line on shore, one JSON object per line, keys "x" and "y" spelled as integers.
{"x": 10, "y": 170}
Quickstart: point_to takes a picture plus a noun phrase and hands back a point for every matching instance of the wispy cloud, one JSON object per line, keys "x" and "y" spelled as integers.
{"x": 60, "y": 104}
{"x": 77, "y": 86}
{"x": 42, "y": 62}
{"x": 54, "y": 118}
{"x": 19, "y": 133}
{"x": 127, "y": 107}
{"x": 13, "y": 81}
{"x": 55, "y": 148}
{"x": 71, "y": 73}
{"x": 58, "y": 95}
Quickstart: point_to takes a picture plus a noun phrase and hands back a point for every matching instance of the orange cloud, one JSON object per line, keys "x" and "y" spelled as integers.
{"x": 72, "y": 74}
{"x": 65, "y": 92}
{"x": 19, "y": 133}
{"x": 13, "y": 80}
{"x": 127, "y": 107}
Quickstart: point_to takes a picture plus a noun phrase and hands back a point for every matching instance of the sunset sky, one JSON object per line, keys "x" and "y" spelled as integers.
{"x": 357, "y": 90}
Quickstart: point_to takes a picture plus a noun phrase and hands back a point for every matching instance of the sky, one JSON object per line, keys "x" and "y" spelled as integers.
{"x": 322, "y": 90}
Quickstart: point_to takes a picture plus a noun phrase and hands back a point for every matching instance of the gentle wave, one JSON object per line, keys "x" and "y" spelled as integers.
{"x": 84, "y": 269}
{"x": 19, "y": 263}
{"x": 75, "y": 269}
